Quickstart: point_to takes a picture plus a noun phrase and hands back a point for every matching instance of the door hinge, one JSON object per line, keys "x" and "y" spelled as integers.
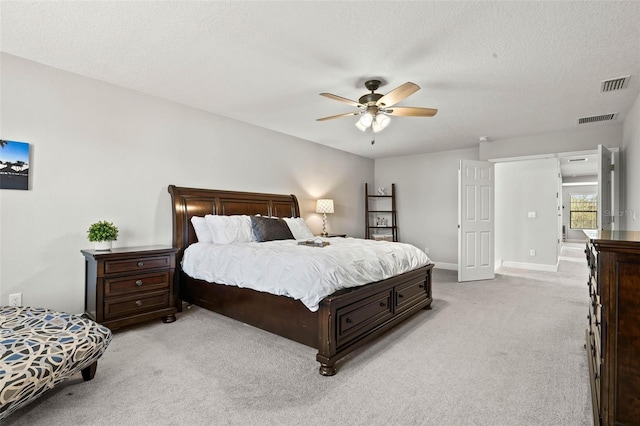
{"x": 612, "y": 168}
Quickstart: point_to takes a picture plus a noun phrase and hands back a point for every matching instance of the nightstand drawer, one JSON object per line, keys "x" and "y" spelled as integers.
{"x": 138, "y": 264}
{"x": 132, "y": 305}
{"x": 136, "y": 284}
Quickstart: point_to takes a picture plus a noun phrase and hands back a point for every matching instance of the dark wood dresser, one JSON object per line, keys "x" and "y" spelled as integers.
{"x": 129, "y": 285}
{"x": 613, "y": 336}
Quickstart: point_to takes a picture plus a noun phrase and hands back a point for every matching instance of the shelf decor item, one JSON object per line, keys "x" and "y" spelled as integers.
{"x": 324, "y": 206}
{"x": 103, "y": 234}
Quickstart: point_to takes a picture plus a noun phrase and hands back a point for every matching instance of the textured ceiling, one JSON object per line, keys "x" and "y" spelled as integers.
{"x": 495, "y": 69}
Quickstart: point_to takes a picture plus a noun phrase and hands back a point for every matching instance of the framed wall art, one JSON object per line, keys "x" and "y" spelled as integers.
{"x": 14, "y": 165}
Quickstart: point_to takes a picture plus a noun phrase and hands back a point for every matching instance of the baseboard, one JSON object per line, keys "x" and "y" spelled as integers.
{"x": 531, "y": 266}
{"x": 497, "y": 265}
{"x": 445, "y": 265}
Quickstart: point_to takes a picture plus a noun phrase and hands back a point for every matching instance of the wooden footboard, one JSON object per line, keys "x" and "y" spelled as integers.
{"x": 350, "y": 318}
{"x": 344, "y": 321}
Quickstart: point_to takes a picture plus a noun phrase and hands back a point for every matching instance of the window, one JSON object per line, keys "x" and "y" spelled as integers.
{"x": 584, "y": 211}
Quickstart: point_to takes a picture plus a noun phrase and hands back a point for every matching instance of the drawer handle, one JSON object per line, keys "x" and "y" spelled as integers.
{"x": 421, "y": 285}
{"x": 349, "y": 320}
{"x": 383, "y": 304}
{"x": 138, "y": 302}
{"x": 141, "y": 263}
{"x": 139, "y": 283}
{"x": 400, "y": 295}
{"x": 597, "y": 323}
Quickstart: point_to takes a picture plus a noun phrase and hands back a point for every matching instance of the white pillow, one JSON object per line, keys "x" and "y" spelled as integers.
{"x": 202, "y": 230}
{"x": 230, "y": 229}
{"x": 298, "y": 228}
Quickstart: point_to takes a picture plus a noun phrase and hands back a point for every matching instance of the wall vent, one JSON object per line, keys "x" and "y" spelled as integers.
{"x": 597, "y": 118}
{"x": 615, "y": 84}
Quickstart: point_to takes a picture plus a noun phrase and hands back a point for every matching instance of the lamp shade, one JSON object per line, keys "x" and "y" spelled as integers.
{"x": 324, "y": 205}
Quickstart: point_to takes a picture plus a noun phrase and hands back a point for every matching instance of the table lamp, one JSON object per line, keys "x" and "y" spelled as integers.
{"x": 324, "y": 206}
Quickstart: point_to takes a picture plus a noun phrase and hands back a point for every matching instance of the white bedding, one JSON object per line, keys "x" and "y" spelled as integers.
{"x": 306, "y": 273}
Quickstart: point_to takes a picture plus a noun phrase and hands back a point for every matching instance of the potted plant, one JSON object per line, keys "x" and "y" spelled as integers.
{"x": 103, "y": 233}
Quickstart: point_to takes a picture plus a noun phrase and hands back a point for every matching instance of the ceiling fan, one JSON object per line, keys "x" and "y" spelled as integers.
{"x": 375, "y": 108}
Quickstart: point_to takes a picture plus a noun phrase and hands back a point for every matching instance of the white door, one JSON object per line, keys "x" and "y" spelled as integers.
{"x": 607, "y": 206}
{"x": 475, "y": 221}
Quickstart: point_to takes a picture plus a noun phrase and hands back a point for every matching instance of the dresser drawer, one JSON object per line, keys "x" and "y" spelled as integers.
{"x": 135, "y": 304}
{"x": 368, "y": 313}
{"x": 137, "y": 264}
{"x": 406, "y": 295}
{"x": 136, "y": 284}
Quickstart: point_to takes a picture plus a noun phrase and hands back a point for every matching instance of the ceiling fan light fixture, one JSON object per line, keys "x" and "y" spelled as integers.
{"x": 365, "y": 121}
{"x": 380, "y": 122}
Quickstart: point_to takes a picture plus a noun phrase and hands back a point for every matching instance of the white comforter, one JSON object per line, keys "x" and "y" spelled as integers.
{"x": 301, "y": 272}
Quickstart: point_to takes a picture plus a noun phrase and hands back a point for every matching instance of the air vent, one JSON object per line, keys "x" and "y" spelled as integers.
{"x": 597, "y": 118}
{"x": 615, "y": 84}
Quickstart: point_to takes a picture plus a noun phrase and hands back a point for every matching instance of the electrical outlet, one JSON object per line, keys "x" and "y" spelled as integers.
{"x": 426, "y": 250}
{"x": 15, "y": 299}
{"x": 532, "y": 252}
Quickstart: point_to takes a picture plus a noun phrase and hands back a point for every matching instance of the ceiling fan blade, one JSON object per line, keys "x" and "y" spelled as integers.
{"x": 341, "y": 99}
{"x": 411, "y": 111}
{"x": 348, "y": 114}
{"x": 398, "y": 94}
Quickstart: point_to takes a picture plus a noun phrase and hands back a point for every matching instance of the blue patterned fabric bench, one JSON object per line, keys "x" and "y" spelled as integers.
{"x": 40, "y": 348}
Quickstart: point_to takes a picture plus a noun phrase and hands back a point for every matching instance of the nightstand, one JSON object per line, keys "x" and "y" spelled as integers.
{"x": 129, "y": 285}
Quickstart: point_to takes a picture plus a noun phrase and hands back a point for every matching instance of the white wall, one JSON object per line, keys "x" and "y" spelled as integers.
{"x": 104, "y": 152}
{"x": 427, "y": 199}
{"x": 581, "y": 139}
{"x": 574, "y": 235}
{"x": 523, "y": 187}
{"x": 631, "y": 168}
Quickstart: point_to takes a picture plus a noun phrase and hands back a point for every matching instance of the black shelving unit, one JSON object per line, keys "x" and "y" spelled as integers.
{"x": 380, "y": 215}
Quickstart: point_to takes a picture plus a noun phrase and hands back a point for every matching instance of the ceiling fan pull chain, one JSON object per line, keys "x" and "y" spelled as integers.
{"x": 373, "y": 136}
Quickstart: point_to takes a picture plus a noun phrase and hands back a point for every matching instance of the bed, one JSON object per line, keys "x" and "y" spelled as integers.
{"x": 344, "y": 320}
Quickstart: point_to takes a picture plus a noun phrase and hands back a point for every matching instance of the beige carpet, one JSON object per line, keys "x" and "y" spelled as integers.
{"x": 502, "y": 352}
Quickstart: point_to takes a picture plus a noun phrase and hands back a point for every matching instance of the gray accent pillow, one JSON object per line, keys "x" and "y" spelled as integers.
{"x": 270, "y": 228}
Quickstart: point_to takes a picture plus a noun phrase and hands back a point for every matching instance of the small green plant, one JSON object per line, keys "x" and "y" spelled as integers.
{"x": 103, "y": 231}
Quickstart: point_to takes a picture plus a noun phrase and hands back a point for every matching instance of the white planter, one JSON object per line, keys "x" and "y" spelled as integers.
{"x": 103, "y": 245}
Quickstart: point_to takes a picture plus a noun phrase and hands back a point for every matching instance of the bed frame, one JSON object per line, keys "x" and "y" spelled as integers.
{"x": 344, "y": 321}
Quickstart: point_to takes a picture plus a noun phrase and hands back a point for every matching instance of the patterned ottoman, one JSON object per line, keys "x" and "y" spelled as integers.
{"x": 39, "y": 348}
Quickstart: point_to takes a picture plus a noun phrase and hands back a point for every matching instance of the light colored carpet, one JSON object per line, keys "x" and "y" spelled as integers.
{"x": 503, "y": 352}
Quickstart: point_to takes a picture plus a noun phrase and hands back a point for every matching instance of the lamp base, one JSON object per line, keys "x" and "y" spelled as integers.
{"x": 324, "y": 225}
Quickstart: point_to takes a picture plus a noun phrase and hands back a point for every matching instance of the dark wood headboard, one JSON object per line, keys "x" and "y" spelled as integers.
{"x": 189, "y": 202}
